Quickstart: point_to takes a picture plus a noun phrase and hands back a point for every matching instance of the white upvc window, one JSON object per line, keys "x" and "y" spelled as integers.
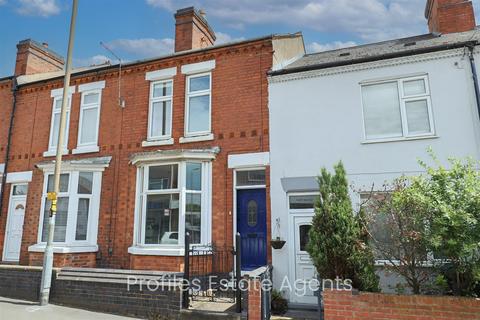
{"x": 160, "y": 110}
{"x": 173, "y": 198}
{"x": 397, "y": 109}
{"x": 89, "y": 122}
{"x": 198, "y": 104}
{"x": 57, "y": 95}
{"x": 76, "y": 222}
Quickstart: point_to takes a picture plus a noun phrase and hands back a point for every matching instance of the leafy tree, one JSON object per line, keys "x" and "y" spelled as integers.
{"x": 337, "y": 240}
{"x": 452, "y": 199}
{"x": 397, "y": 223}
{"x": 433, "y": 220}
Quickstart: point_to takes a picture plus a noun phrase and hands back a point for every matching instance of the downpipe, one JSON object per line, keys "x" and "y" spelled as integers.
{"x": 9, "y": 142}
{"x": 471, "y": 48}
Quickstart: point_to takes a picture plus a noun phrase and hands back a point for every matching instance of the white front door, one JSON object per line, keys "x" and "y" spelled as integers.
{"x": 305, "y": 273}
{"x": 16, "y": 214}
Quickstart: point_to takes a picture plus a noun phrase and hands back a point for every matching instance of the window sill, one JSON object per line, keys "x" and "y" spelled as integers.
{"x": 156, "y": 251}
{"x": 53, "y": 153}
{"x": 206, "y": 137}
{"x": 387, "y": 140}
{"x": 153, "y": 143}
{"x": 87, "y": 149}
{"x": 40, "y": 247}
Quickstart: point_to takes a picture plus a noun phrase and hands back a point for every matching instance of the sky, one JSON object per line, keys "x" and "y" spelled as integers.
{"x": 137, "y": 29}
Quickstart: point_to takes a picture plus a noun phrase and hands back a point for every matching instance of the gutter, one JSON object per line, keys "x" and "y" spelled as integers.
{"x": 473, "y": 67}
{"x": 386, "y": 56}
{"x": 9, "y": 142}
{"x": 207, "y": 50}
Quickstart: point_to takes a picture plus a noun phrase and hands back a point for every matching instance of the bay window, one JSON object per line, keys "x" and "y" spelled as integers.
{"x": 172, "y": 198}
{"x": 78, "y": 205}
{"x": 397, "y": 109}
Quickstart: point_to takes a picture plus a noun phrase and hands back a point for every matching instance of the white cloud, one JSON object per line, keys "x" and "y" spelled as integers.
{"x": 95, "y": 60}
{"x": 142, "y": 48}
{"x": 317, "y": 47}
{"x": 2, "y": 2}
{"x": 367, "y": 20}
{"x": 43, "y": 8}
{"x": 226, "y": 38}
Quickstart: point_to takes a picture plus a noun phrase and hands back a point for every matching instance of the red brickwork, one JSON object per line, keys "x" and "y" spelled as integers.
{"x": 77, "y": 260}
{"x": 34, "y": 58}
{"x": 5, "y": 111}
{"x": 173, "y": 264}
{"x": 449, "y": 16}
{"x": 239, "y": 123}
{"x": 254, "y": 300}
{"x": 192, "y": 31}
{"x": 341, "y": 305}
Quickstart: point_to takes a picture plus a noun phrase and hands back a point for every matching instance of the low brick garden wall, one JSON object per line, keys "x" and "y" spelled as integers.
{"x": 339, "y": 305}
{"x": 113, "y": 297}
{"x": 20, "y": 282}
{"x": 102, "y": 290}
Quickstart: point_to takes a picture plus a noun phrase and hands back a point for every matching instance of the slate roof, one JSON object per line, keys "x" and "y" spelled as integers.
{"x": 381, "y": 50}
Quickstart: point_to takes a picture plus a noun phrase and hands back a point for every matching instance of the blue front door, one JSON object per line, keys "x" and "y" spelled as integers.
{"x": 252, "y": 225}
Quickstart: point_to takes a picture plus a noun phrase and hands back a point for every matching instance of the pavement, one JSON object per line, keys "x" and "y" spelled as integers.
{"x": 25, "y": 310}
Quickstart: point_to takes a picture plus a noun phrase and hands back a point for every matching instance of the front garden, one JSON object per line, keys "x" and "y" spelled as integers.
{"x": 425, "y": 230}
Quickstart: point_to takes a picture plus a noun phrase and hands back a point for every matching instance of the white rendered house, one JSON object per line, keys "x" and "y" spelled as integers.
{"x": 377, "y": 108}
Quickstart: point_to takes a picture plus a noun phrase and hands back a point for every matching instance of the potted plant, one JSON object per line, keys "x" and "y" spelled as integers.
{"x": 279, "y": 304}
{"x": 277, "y": 243}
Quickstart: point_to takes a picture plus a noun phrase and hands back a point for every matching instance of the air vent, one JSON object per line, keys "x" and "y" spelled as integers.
{"x": 345, "y": 54}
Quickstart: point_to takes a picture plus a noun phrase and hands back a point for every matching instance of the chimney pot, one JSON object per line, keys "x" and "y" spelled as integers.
{"x": 45, "y": 44}
{"x": 450, "y": 16}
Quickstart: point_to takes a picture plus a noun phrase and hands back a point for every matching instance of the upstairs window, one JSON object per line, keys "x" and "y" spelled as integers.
{"x": 397, "y": 109}
{"x": 160, "y": 111}
{"x": 89, "y": 122}
{"x": 198, "y": 110}
{"x": 55, "y": 124}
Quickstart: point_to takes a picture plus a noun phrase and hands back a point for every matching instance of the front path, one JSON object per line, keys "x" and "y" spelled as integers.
{"x": 25, "y": 310}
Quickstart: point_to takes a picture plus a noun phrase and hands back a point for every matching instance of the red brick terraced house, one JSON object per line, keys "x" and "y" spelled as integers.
{"x": 176, "y": 143}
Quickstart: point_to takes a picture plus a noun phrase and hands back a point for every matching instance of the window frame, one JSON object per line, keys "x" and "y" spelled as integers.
{"x": 385, "y": 262}
{"x": 153, "y": 100}
{"x": 402, "y": 100}
{"x": 90, "y": 106}
{"x": 74, "y": 196}
{"x": 57, "y": 97}
{"x": 200, "y": 93}
{"x": 141, "y": 203}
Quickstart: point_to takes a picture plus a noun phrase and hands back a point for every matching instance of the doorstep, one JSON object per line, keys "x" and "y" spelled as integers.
{"x": 298, "y": 315}
{"x": 210, "y": 315}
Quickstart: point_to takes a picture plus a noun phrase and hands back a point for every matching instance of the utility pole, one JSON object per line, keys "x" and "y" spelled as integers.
{"x": 48, "y": 255}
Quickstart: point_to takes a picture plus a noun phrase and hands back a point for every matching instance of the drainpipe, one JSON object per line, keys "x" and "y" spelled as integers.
{"x": 471, "y": 48}
{"x": 9, "y": 142}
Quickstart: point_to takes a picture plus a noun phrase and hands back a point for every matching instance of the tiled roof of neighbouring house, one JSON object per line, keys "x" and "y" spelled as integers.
{"x": 381, "y": 50}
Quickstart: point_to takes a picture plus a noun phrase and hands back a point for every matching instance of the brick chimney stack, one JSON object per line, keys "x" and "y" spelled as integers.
{"x": 34, "y": 57}
{"x": 192, "y": 30}
{"x": 449, "y": 16}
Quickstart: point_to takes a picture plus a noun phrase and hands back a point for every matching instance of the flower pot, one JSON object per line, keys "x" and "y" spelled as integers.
{"x": 277, "y": 244}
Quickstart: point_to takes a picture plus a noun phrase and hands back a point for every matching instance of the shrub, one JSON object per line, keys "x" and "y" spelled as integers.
{"x": 337, "y": 240}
